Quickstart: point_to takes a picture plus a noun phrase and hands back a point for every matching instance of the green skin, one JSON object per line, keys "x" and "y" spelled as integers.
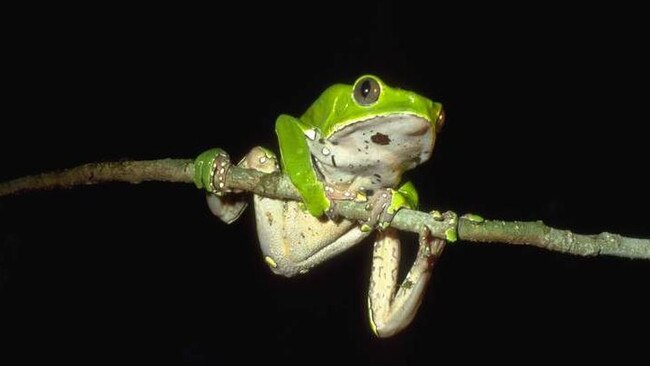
{"x": 333, "y": 111}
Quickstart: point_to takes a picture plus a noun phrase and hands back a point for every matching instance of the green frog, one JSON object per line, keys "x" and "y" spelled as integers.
{"x": 353, "y": 143}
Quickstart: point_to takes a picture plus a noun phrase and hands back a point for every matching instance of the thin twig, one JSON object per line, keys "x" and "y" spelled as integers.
{"x": 165, "y": 170}
{"x": 279, "y": 186}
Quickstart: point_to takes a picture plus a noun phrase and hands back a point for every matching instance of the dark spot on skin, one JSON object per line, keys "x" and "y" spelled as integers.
{"x": 380, "y": 139}
{"x": 359, "y": 150}
{"x": 302, "y": 235}
{"x": 377, "y": 175}
{"x": 366, "y": 141}
{"x": 333, "y": 161}
{"x": 321, "y": 140}
{"x": 370, "y": 192}
{"x": 366, "y": 147}
{"x": 334, "y": 143}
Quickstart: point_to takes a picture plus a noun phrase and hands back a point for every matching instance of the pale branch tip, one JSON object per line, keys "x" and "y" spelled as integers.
{"x": 164, "y": 170}
{"x": 277, "y": 185}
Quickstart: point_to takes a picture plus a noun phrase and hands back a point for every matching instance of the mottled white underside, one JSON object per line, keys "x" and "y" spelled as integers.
{"x": 374, "y": 153}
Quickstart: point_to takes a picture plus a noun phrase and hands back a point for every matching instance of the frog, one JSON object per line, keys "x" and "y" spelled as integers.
{"x": 354, "y": 142}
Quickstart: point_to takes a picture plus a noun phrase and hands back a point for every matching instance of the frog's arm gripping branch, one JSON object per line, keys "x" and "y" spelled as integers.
{"x": 468, "y": 228}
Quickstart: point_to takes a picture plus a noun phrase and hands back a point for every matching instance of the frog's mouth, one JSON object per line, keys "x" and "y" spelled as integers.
{"x": 384, "y": 145}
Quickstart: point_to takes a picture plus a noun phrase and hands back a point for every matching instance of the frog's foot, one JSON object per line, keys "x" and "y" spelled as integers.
{"x": 451, "y": 234}
{"x": 210, "y": 171}
{"x": 224, "y": 203}
{"x": 334, "y": 195}
{"x": 383, "y": 206}
{"x": 260, "y": 159}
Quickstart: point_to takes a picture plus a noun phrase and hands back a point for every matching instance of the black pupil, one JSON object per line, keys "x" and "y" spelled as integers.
{"x": 365, "y": 88}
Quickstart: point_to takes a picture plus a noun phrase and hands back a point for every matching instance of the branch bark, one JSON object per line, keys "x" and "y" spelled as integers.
{"x": 279, "y": 186}
{"x": 165, "y": 170}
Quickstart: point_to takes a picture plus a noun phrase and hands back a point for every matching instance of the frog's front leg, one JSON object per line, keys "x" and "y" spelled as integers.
{"x": 390, "y": 308}
{"x": 292, "y": 240}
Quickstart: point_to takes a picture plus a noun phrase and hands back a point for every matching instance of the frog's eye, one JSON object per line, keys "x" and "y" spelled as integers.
{"x": 366, "y": 91}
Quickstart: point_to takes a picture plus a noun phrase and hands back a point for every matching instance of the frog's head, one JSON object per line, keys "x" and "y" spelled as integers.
{"x": 369, "y": 98}
{"x": 371, "y": 130}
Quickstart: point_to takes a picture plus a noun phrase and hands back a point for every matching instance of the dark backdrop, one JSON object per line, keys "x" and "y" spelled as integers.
{"x": 547, "y": 112}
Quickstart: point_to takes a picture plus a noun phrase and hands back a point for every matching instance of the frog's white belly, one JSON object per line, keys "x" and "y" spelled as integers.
{"x": 374, "y": 153}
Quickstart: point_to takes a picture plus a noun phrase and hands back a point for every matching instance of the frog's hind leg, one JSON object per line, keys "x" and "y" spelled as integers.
{"x": 390, "y": 308}
{"x": 292, "y": 240}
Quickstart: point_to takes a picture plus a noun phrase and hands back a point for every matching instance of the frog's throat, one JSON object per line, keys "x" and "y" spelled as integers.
{"x": 373, "y": 153}
{"x": 344, "y": 125}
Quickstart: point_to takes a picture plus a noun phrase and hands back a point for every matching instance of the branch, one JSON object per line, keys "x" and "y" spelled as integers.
{"x": 166, "y": 170}
{"x": 276, "y": 185}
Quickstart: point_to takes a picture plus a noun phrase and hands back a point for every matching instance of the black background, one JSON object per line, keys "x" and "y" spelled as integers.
{"x": 547, "y": 113}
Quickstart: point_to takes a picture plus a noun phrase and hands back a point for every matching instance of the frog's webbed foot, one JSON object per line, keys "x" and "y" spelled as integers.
{"x": 383, "y": 205}
{"x": 211, "y": 169}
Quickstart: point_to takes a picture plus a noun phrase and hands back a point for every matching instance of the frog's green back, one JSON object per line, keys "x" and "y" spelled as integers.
{"x": 337, "y": 108}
